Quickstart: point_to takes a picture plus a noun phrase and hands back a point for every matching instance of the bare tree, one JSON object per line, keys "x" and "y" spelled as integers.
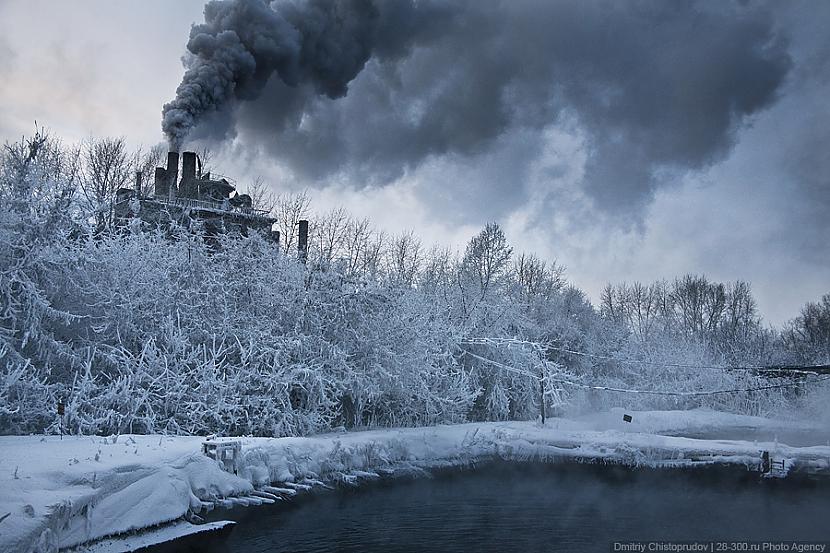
{"x": 609, "y": 305}
{"x": 645, "y": 301}
{"x": 361, "y": 246}
{"x": 39, "y": 177}
{"x": 329, "y": 234}
{"x": 146, "y": 163}
{"x": 370, "y": 259}
{"x": 438, "y": 276}
{"x": 808, "y": 335}
{"x": 484, "y": 270}
{"x": 289, "y": 209}
{"x": 107, "y": 166}
{"x": 535, "y": 278}
{"x": 740, "y": 311}
{"x": 487, "y": 258}
{"x": 206, "y": 156}
{"x": 262, "y": 197}
{"x": 699, "y": 303}
{"x": 404, "y": 257}
{"x": 356, "y": 242}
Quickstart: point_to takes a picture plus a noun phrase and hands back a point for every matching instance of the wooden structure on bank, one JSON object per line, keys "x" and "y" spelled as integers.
{"x": 227, "y": 452}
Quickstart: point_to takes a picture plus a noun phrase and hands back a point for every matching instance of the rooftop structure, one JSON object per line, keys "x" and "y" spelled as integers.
{"x": 196, "y": 198}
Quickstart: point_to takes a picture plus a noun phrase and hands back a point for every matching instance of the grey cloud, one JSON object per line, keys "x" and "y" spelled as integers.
{"x": 368, "y": 92}
{"x": 7, "y": 57}
{"x": 805, "y": 188}
{"x": 757, "y": 215}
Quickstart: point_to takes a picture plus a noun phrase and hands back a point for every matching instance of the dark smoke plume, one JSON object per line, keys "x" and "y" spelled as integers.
{"x": 657, "y": 88}
{"x": 242, "y": 43}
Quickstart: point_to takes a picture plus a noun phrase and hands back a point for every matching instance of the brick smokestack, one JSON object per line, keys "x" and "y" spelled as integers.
{"x": 160, "y": 182}
{"x": 187, "y": 185}
{"x": 188, "y": 166}
{"x": 172, "y": 171}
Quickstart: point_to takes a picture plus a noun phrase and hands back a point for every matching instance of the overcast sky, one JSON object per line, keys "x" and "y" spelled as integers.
{"x": 629, "y": 141}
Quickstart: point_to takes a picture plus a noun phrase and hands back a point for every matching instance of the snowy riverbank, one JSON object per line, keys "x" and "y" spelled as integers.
{"x": 61, "y": 493}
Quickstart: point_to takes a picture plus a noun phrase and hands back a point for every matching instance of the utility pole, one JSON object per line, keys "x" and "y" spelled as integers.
{"x": 302, "y": 241}
{"x": 61, "y": 411}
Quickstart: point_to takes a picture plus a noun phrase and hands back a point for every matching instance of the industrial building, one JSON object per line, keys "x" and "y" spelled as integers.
{"x": 195, "y": 201}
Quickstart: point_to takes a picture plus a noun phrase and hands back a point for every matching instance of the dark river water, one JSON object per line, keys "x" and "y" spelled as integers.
{"x": 530, "y": 507}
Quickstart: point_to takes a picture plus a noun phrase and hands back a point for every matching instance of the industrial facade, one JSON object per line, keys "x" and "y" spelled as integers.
{"x": 195, "y": 200}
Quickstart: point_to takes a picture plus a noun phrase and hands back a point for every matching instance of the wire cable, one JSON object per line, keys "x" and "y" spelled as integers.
{"x": 796, "y": 369}
{"x": 816, "y": 369}
{"x": 500, "y": 365}
{"x": 635, "y": 391}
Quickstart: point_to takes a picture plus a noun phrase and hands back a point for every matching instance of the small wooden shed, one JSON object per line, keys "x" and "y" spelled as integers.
{"x": 227, "y": 452}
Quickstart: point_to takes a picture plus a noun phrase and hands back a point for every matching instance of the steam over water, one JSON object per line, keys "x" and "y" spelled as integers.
{"x": 573, "y": 508}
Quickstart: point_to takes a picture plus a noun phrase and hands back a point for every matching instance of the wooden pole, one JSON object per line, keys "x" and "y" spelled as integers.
{"x": 302, "y": 241}
{"x": 61, "y": 411}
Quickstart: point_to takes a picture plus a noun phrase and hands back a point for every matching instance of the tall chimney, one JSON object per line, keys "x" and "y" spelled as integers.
{"x": 302, "y": 241}
{"x": 187, "y": 186}
{"x": 188, "y": 166}
{"x": 138, "y": 179}
{"x": 160, "y": 182}
{"x": 172, "y": 172}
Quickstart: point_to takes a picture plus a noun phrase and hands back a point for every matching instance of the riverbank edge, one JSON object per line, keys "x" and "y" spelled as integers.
{"x": 188, "y": 485}
{"x": 191, "y": 541}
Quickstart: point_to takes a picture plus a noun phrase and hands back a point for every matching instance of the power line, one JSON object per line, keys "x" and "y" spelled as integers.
{"x": 807, "y": 369}
{"x": 634, "y": 391}
{"x": 800, "y": 369}
{"x": 500, "y": 365}
{"x": 689, "y": 394}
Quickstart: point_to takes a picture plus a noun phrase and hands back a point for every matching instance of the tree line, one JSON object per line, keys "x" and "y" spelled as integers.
{"x": 138, "y": 331}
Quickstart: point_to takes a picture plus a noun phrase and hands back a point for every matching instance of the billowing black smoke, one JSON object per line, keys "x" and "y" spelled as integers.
{"x": 656, "y": 87}
{"x": 242, "y": 43}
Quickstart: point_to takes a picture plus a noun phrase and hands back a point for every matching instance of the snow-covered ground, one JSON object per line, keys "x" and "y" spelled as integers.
{"x": 62, "y": 493}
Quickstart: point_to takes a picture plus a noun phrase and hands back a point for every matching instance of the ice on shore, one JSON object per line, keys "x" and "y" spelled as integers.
{"x": 61, "y": 493}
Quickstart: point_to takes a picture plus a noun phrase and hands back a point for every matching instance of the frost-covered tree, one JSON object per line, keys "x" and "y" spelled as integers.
{"x": 289, "y": 209}
{"x": 404, "y": 257}
{"x": 37, "y": 191}
{"x": 150, "y": 331}
{"x": 107, "y": 165}
{"x": 146, "y": 161}
{"x": 808, "y": 335}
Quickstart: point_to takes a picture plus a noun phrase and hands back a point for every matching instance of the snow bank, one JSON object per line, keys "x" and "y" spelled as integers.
{"x": 168, "y": 533}
{"x": 61, "y": 493}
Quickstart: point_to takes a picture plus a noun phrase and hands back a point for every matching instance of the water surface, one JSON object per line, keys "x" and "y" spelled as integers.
{"x": 532, "y": 507}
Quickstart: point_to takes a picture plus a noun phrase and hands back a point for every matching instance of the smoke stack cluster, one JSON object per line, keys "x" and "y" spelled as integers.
{"x": 213, "y": 203}
{"x": 166, "y": 179}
